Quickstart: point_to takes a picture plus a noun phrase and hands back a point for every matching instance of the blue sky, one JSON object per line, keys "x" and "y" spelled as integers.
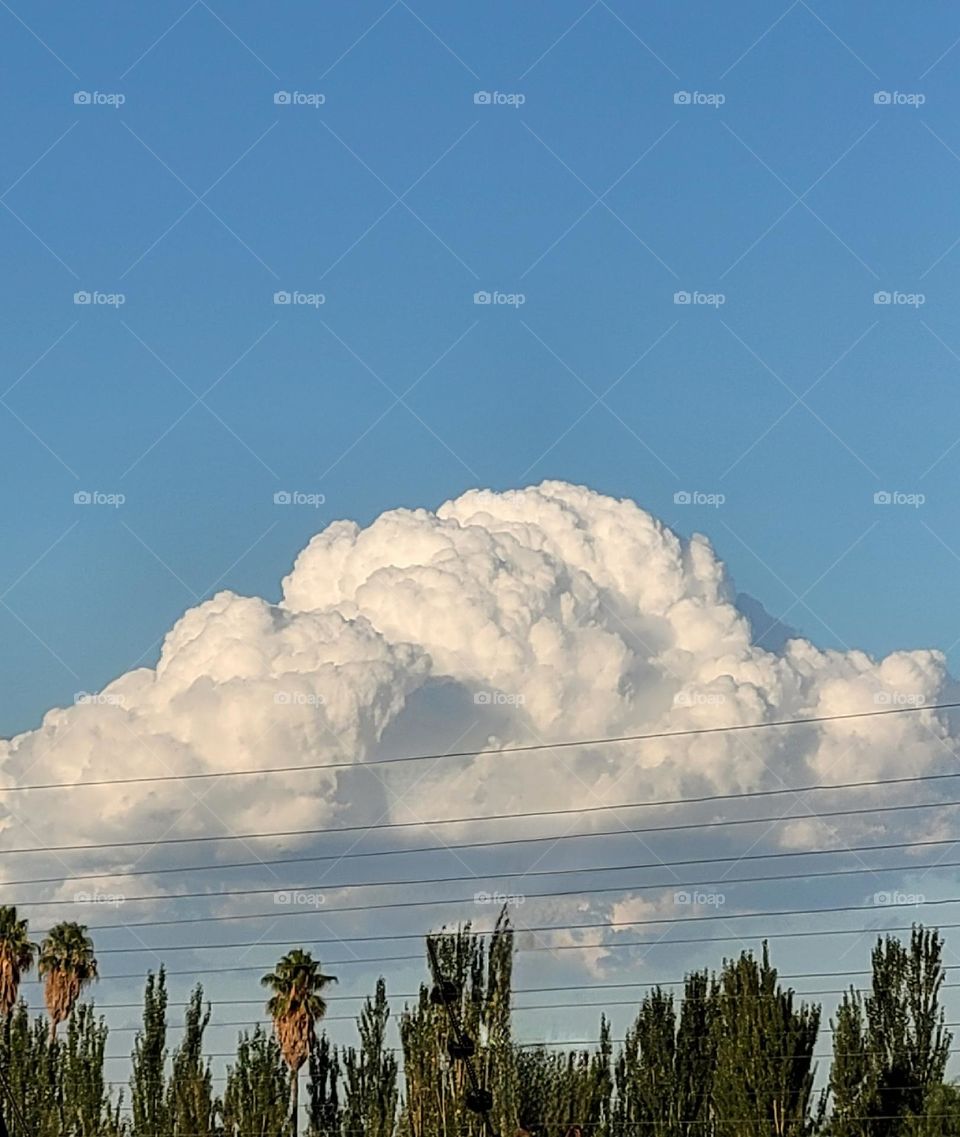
{"x": 790, "y": 161}
{"x": 597, "y": 198}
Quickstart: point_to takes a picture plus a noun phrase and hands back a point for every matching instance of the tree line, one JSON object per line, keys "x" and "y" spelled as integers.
{"x": 732, "y": 1055}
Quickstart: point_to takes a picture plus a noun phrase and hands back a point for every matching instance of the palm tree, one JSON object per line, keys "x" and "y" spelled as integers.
{"x": 296, "y": 1005}
{"x": 16, "y": 957}
{"x": 68, "y": 964}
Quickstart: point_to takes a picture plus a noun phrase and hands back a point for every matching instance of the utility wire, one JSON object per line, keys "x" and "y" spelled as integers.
{"x": 521, "y": 874}
{"x": 525, "y": 815}
{"x": 525, "y": 749}
{"x": 607, "y": 924}
{"x": 305, "y": 860}
{"x": 322, "y": 910}
{"x": 618, "y": 945}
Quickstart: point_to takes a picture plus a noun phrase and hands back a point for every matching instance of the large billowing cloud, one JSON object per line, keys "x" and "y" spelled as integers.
{"x": 537, "y": 615}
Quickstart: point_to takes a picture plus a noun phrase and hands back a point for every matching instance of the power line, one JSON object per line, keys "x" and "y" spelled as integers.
{"x": 609, "y": 924}
{"x": 524, "y": 815}
{"x": 246, "y": 1024}
{"x": 525, "y": 749}
{"x": 559, "y": 988}
{"x": 292, "y": 889}
{"x": 418, "y": 958}
{"x": 579, "y": 1042}
{"x": 305, "y": 860}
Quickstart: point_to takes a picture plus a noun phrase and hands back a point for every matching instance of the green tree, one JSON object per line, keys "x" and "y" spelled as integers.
{"x": 891, "y": 1048}
{"x": 323, "y": 1100}
{"x": 644, "y": 1073}
{"x": 86, "y": 1106}
{"x": 941, "y": 1115}
{"x": 664, "y": 1072}
{"x": 189, "y": 1108}
{"x": 563, "y": 1092}
{"x": 257, "y": 1090}
{"x": 695, "y": 1055}
{"x": 296, "y": 1006}
{"x": 370, "y": 1073}
{"x": 147, "y": 1083}
{"x": 67, "y": 965}
{"x": 764, "y": 1051}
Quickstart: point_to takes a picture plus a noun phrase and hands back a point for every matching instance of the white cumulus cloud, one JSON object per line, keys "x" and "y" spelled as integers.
{"x": 536, "y": 615}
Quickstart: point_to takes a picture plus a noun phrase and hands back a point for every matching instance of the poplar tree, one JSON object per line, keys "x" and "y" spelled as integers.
{"x": 255, "y": 1101}
{"x": 370, "y": 1073}
{"x": 764, "y": 1052}
{"x": 323, "y": 1094}
{"x": 891, "y": 1048}
{"x": 147, "y": 1082}
{"x": 189, "y": 1107}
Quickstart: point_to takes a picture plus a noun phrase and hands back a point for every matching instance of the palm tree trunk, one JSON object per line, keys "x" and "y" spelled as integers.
{"x": 294, "y": 1100}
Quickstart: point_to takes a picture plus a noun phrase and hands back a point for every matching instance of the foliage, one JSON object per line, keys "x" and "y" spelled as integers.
{"x": 729, "y": 1056}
